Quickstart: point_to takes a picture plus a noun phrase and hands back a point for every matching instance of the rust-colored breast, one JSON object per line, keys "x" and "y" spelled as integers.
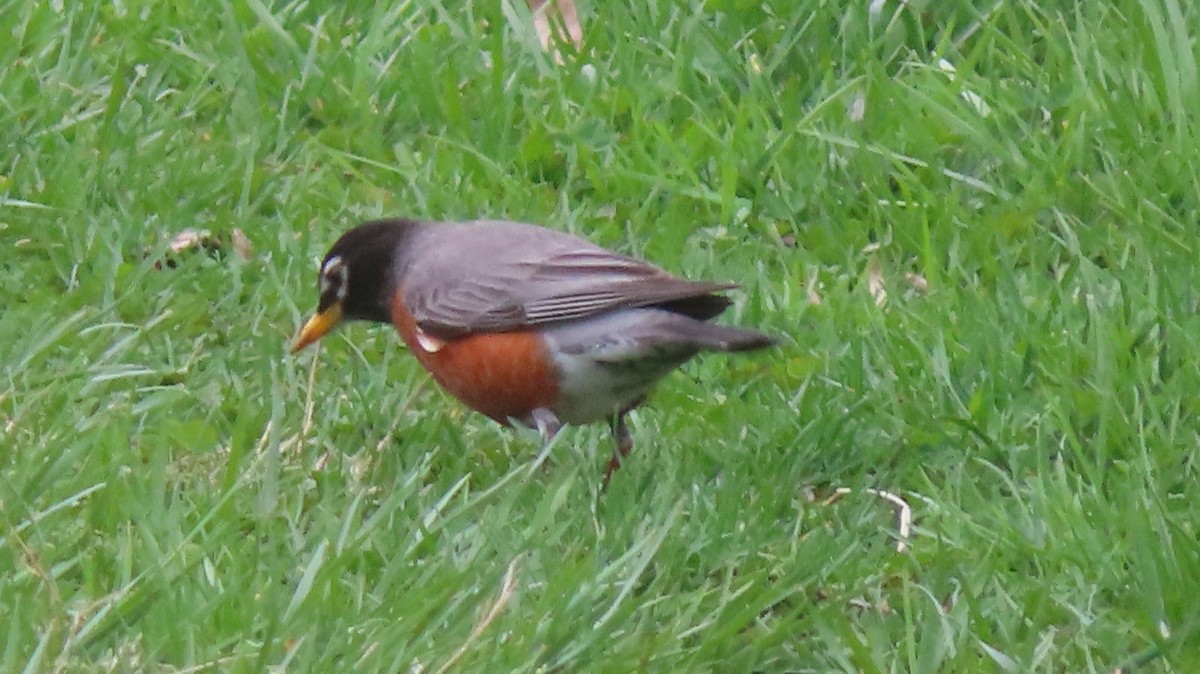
{"x": 503, "y": 375}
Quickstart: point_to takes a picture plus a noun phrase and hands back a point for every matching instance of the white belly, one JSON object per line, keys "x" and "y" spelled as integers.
{"x": 590, "y": 390}
{"x": 609, "y": 364}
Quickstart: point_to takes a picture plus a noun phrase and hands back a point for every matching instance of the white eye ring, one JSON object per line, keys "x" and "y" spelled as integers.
{"x": 333, "y": 267}
{"x": 332, "y": 262}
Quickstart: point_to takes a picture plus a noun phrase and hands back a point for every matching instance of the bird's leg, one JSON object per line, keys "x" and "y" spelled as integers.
{"x": 624, "y": 445}
{"x": 546, "y": 423}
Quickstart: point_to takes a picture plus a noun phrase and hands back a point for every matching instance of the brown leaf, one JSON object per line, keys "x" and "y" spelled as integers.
{"x": 185, "y": 241}
{"x": 190, "y": 240}
{"x": 918, "y": 282}
{"x": 811, "y": 289}
{"x": 556, "y": 21}
{"x": 875, "y": 282}
{"x": 193, "y": 238}
{"x": 242, "y": 245}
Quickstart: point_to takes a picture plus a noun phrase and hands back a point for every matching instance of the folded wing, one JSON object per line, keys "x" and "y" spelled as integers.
{"x": 512, "y": 276}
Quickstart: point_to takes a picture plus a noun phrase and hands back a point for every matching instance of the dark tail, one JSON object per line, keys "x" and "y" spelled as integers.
{"x": 711, "y": 337}
{"x": 625, "y": 334}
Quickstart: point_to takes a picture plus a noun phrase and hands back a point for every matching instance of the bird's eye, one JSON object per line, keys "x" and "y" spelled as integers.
{"x": 330, "y": 263}
{"x": 334, "y": 278}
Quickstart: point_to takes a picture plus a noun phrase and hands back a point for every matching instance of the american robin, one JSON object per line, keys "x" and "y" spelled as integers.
{"x": 523, "y": 323}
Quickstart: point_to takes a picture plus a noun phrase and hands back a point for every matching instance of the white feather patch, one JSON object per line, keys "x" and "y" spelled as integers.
{"x": 428, "y": 343}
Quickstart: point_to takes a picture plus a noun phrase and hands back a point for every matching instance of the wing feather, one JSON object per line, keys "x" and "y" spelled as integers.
{"x": 508, "y": 276}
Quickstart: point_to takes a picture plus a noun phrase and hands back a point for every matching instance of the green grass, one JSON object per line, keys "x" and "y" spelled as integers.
{"x": 166, "y": 504}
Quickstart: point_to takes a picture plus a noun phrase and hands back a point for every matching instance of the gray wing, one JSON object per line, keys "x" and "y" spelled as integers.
{"x": 505, "y": 276}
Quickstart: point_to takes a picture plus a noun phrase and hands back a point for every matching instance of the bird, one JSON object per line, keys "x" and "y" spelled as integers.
{"x": 525, "y": 324}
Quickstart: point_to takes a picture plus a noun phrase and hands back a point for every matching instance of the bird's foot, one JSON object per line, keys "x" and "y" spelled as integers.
{"x": 624, "y": 445}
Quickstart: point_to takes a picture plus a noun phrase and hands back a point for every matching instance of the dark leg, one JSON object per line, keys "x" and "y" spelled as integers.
{"x": 624, "y": 445}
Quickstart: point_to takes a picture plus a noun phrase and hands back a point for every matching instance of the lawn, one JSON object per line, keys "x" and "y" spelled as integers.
{"x": 973, "y": 228}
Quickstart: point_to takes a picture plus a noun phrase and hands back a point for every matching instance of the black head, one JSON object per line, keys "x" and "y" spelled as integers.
{"x": 356, "y": 278}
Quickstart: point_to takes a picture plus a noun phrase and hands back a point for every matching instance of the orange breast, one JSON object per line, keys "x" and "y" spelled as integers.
{"x": 503, "y": 375}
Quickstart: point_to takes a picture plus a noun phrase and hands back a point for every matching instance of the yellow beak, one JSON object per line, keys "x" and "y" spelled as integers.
{"x": 318, "y": 326}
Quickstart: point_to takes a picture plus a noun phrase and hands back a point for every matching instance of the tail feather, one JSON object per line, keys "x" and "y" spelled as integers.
{"x": 711, "y": 337}
{"x": 633, "y": 333}
{"x": 700, "y": 307}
